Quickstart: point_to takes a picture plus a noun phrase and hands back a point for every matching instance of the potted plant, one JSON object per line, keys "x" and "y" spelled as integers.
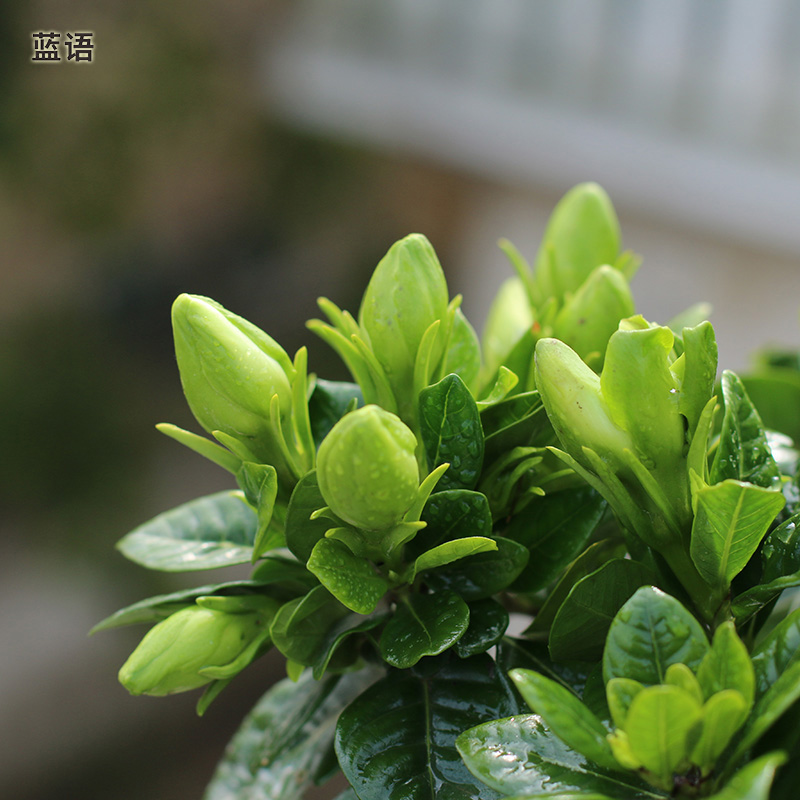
{"x": 579, "y": 469}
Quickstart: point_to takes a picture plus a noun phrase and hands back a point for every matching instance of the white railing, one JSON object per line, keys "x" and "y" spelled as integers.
{"x": 686, "y": 108}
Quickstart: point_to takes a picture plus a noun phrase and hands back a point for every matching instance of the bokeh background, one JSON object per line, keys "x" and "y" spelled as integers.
{"x": 266, "y": 152}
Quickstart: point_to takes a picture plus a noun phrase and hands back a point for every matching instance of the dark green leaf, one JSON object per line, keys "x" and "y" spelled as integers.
{"x": 587, "y": 562}
{"x": 283, "y": 744}
{"x": 328, "y": 403}
{"x": 650, "y": 632}
{"x": 352, "y": 580}
{"x": 743, "y": 453}
{"x": 520, "y": 756}
{"x": 484, "y": 574}
{"x": 450, "y": 515}
{"x": 300, "y": 627}
{"x": 779, "y": 650}
{"x": 517, "y": 421}
{"x": 581, "y": 624}
{"x": 730, "y": 521}
{"x": 451, "y": 432}
{"x": 207, "y": 533}
{"x": 776, "y": 394}
{"x": 342, "y": 631}
{"x": 521, "y": 653}
{"x": 397, "y": 740}
{"x": 302, "y": 532}
{"x": 488, "y": 621}
{"x": 161, "y": 606}
{"x": 554, "y": 529}
{"x": 423, "y": 625}
{"x": 448, "y": 552}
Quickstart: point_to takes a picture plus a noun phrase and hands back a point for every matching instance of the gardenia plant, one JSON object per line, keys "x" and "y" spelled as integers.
{"x": 580, "y": 468}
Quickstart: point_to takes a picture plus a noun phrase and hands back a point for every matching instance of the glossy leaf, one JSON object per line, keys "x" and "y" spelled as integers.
{"x": 515, "y": 422}
{"x": 777, "y": 652}
{"x": 397, "y": 740}
{"x": 484, "y": 574}
{"x": 448, "y": 552}
{"x": 300, "y": 627}
{"x": 727, "y": 665}
{"x": 488, "y": 621}
{"x": 587, "y": 562}
{"x": 565, "y": 715}
{"x": 743, "y": 453}
{"x": 344, "y": 631}
{"x": 650, "y": 632}
{"x": 660, "y": 724}
{"x": 581, "y": 624}
{"x": 730, "y": 521}
{"x": 521, "y": 756}
{"x": 328, "y": 403}
{"x": 283, "y": 745}
{"x": 423, "y": 625}
{"x": 452, "y": 514}
{"x": 554, "y": 529}
{"x": 450, "y": 426}
{"x": 302, "y": 532}
{"x": 753, "y": 781}
{"x": 513, "y": 653}
{"x": 213, "y": 531}
{"x": 352, "y": 580}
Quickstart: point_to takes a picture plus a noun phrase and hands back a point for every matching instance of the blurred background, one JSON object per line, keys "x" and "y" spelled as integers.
{"x": 265, "y": 153}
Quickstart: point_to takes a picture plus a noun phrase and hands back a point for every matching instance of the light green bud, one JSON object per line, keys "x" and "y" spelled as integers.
{"x": 230, "y": 371}
{"x": 406, "y": 294}
{"x": 574, "y": 402}
{"x": 367, "y": 468}
{"x": 509, "y": 317}
{"x": 582, "y": 233}
{"x": 173, "y": 654}
{"x": 590, "y": 316}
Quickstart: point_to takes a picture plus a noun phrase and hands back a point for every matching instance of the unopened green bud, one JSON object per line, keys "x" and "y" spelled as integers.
{"x": 230, "y": 371}
{"x": 406, "y": 294}
{"x": 583, "y": 233}
{"x": 572, "y": 396}
{"x": 367, "y": 468}
{"x": 173, "y": 655}
{"x": 509, "y": 317}
{"x": 592, "y": 314}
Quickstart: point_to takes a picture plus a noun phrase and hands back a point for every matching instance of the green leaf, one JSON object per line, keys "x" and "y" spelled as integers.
{"x": 521, "y": 756}
{"x": 448, "y": 552}
{"x": 581, "y": 624}
{"x": 450, "y": 426}
{"x": 488, "y": 621}
{"x": 302, "y": 532}
{"x": 300, "y": 626}
{"x": 452, "y": 514}
{"x": 340, "y": 632}
{"x": 515, "y": 653}
{"x": 283, "y": 745}
{"x": 776, "y": 653}
{"x": 554, "y": 529}
{"x": 587, "y": 562}
{"x": 506, "y": 380}
{"x": 566, "y": 716}
{"x": 723, "y": 715}
{"x": 204, "y": 447}
{"x": 662, "y": 725}
{"x": 352, "y": 580}
{"x": 650, "y": 632}
{"x": 753, "y": 781}
{"x": 515, "y": 422}
{"x": 328, "y": 403}
{"x": 730, "y": 521}
{"x": 699, "y": 373}
{"x": 397, "y": 740}
{"x": 423, "y": 625}
{"x": 743, "y": 453}
{"x": 463, "y": 355}
{"x": 161, "y": 606}
{"x": 727, "y": 665}
{"x": 259, "y": 482}
{"x": 481, "y": 575}
{"x": 213, "y": 531}
{"x": 620, "y": 693}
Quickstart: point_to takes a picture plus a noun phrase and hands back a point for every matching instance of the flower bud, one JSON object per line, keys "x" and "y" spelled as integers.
{"x": 406, "y": 294}
{"x": 592, "y": 314}
{"x": 230, "y": 370}
{"x": 509, "y": 317}
{"x": 582, "y": 233}
{"x": 367, "y": 469}
{"x": 572, "y": 396}
{"x": 173, "y": 654}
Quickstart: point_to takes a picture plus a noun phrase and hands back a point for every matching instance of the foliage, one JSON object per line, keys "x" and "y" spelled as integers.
{"x": 578, "y": 469}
